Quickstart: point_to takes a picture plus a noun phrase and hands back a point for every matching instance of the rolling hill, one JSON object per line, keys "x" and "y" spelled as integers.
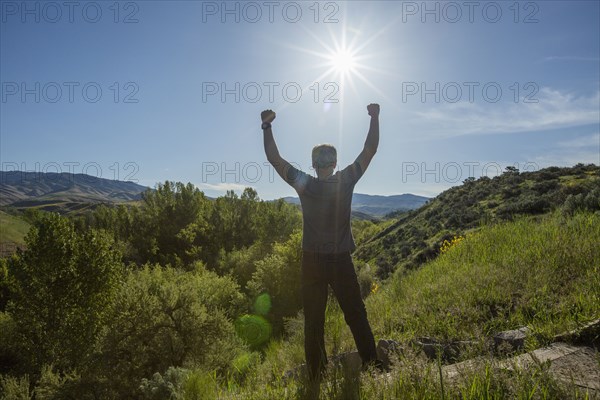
{"x": 62, "y": 192}
{"x": 416, "y": 236}
{"x": 378, "y": 206}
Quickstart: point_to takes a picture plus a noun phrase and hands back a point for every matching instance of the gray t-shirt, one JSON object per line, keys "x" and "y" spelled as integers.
{"x": 326, "y": 206}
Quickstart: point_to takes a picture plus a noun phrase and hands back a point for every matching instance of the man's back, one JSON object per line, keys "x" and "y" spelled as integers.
{"x": 326, "y": 210}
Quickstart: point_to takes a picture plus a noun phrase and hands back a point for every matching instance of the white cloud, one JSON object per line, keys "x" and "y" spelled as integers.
{"x": 584, "y": 149}
{"x": 554, "y": 110}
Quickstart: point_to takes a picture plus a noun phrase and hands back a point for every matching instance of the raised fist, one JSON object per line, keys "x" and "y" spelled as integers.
{"x": 267, "y": 116}
{"x": 373, "y": 109}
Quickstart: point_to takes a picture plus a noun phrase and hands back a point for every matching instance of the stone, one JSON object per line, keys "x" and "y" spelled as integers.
{"x": 350, "y": 360}
{"x": 448, "y": 351}
{"x": 512, "y": 340}
{"x": 385, "y": 349}
{"x": 569, "y": 364}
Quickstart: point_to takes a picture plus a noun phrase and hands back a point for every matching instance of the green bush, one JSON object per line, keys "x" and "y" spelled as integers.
{"x": 278, "y": 275}
{"x": 5, "y": 284}
{"x": 366, "y": 278}
{"x": 168, "y": 318}
{"x": 167, "y": 386}
{"x": 241, "y": 263}
{"x": 180, "y": 384}
{"x": 582, "y": 202}
{"x": 54, "y": 385}
{"x": 64, "y": 284}
{"x": 12, "y": 388}
{"x": 9, "y": 352}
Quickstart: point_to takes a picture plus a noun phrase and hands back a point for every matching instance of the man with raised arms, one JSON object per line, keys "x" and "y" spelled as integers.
{"x": 327, "y": 241}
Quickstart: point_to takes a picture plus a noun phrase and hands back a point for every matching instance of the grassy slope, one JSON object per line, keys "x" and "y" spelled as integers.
{"x": 542, "y": 272}
{"x": 416, "y": 237}
{"x": 12, "y": 229}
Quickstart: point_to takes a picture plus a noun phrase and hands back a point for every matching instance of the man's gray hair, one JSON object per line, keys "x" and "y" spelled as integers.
{"x": 324, "y": 155}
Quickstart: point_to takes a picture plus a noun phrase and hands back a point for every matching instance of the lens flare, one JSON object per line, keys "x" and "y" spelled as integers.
{"x": 255, "y": 330}
{"x": 262, "y": 304}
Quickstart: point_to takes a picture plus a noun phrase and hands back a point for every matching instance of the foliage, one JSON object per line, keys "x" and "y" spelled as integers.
{"x": 278, "y": 274}
{"x": 485, "y": 256}
{"x": 172, "y": 224}
{"x": 524, "y": 273}
{"x": 582, "y": 202}
{"x": 540, "y": 272}
{"x": 6, "y": 282}
{"x": 12, "y": 388}
{"x": 162, "y": 387}
{"x": 241, "y": 263}
{"x": 176, "y": 225}
{"x": 414, "y": 238}
{"x": 64, "y": 283}
{"x": 179, "y": 384}
{"x": 164, "y": 317}
{"x": 9, "y": 351}
{"x": 54, "y": 385}
{"x": 366, "y": 278}
{"x": 448, "y": 244}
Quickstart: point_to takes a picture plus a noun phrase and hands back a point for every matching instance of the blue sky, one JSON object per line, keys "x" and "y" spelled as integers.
{"x": 134, "y": 90}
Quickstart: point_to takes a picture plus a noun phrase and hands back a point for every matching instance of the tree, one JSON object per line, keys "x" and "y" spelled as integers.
{"x": 172, "y": 224}
{"x": 63, "y": 284}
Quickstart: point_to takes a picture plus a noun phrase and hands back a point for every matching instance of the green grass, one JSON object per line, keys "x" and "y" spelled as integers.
{"x": 415, "y": 237}
{"x": 543, "y": 273}
{"x": 539, "y": 272}
{"x": 12, "y": 229}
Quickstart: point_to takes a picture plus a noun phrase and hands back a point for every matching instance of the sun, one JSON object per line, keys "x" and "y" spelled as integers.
{"x": 343, "y": 61}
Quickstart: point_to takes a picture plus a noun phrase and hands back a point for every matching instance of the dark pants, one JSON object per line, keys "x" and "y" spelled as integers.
{"x": 337, "y": 270}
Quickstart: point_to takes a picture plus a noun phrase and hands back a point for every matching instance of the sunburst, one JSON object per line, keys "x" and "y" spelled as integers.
{"x": 343, "y": 61}
{"x": 343, "y": 56}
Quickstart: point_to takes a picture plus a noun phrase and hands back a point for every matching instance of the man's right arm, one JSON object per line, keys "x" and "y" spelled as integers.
{"x": 284, "y": 169}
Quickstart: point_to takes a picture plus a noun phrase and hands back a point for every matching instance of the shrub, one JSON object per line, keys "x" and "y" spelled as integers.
{"x": 168, "y": 318}
{"x": 366, "y": 278}
{"x": 8, "y": 351}
{"x": 278, "y": 275}
{"x": 12, "y": 388}
{"x": 64, "y": 284}
{"x": 167, "y": 386}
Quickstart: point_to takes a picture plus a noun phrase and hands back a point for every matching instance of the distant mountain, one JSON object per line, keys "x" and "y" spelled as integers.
{"x": 378, "y": 206}
{"x": 63, "y": 192}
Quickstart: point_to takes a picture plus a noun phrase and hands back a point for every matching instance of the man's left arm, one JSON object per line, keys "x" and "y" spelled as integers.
{"x": 372, "y": 141}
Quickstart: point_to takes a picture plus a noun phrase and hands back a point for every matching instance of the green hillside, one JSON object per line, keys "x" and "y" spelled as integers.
{"x": 12, "y": 229}
{"x": 183, "y": 296}
{"x": 416, "y": 237}
{"x": 63, "y": 192}
{"x": 12, "y": 232}
{"x": 540, "y": 272}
